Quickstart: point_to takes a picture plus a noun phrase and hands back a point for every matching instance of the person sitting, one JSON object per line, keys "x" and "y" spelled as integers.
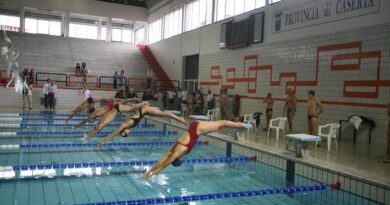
{"x": 187, "y": 141}
{"x": 87, "y": 104}
{"x": 132, "y": 121}
{"x": 77, "y": 68}
{"x": 113, "y": 110}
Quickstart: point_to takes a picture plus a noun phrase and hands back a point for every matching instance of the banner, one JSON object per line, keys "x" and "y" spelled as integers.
{"x": 321, "y": 11}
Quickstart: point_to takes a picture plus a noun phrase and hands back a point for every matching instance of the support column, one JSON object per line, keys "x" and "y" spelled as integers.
{"x": 109, "y": 29}
{"x": 228, "y": 149}
{"x": 65, "y": 25}
{"x": 290, "y": 173}
{"x": 21, "y": 24}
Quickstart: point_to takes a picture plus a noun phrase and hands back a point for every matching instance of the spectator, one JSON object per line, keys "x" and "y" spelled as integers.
{"x": 132, "y": 94}
{"x": 171, "y": 99}
{"x": 147, "y": 95}
{"x": 115, "y": 79}
{"x": 182, "y": 97}
{"x": 269, "y": 105}
{"x": 45, "y": 92}
{"x": 224, "y": 99}
{"x": 32, "y": 76}
{"x": 122, "y": 81}
{"x": 84, "y": 72}
{"x": 190, "y": 102}
{"x": 77, "y": 68}
{"x": 210, "y": 100}
{"x": 86, "y": 92}
{"x": 52, "y": 89}
{"x": 27, "y": 94}
{"x": 164, "y": 98}
{"x": 199, "y": 102}
{"x": 25, "y": 74}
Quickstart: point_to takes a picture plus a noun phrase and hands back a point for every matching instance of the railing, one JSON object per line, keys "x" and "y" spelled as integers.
{"x": 108, "y": 82}
{"x": 77, "y": 80}
{"x": 137, "y": 83}
{"x": 166, "y": 84}
{"x": 58, "y": 78}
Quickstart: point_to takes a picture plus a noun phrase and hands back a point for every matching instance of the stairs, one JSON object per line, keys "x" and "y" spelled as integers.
{"x": 156, "y": 67}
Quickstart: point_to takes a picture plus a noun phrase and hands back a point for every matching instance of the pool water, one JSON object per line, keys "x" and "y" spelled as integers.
{"x": 110, "y": 184}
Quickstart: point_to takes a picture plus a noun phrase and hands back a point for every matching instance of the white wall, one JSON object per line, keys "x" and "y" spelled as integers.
{"x": 89, "y": 7}
{"x": 295, "y": 51}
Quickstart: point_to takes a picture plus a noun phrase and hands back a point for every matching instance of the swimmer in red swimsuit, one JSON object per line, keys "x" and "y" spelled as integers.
{"x": 187, "y": 141}
{"x": 124, "y": 128}
{"x": 89, "y": 103}
{"x": 111, "y": 115}
{"x": 99, "y": 112}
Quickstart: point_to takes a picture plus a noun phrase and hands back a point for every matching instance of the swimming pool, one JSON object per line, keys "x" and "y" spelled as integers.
{"x": 58, "y": 168}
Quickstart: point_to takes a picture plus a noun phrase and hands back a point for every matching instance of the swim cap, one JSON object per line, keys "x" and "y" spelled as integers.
{"x": 177, "y": 162}
{"x": 91, "y": 109}
{"x": 90, "y": 100}
{"x": 123, "y": 133}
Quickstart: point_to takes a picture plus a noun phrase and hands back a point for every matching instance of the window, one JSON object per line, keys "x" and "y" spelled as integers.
{"x": 82, "y": 31}
{"x": 103, "y": 33}
{"x": 198, "y": 13}
{"x": 173, "y": 22}
{"x": 9, "y": 23}
{"x": 122, "y": 35}
{"x": 155, "y": 30}
{"x": 273, "y": 1}
{"x": 41, "y": 26}
{"x": 260, "y": 3}
{"x": 140, "y": 35}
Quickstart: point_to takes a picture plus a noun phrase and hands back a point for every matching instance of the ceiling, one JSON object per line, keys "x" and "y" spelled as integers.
{"x": 140, "y": 3}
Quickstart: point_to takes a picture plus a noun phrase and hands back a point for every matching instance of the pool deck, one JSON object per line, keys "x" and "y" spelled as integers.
{"x": 361, "y": 160}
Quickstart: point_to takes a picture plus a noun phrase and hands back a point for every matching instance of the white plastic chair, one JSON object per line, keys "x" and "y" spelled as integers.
{"x": 210, "y": 114}
{"x": 248, "y": 118}
{"x": 184, "y": 111}
{"x": 280, "y": 126}
{"x": 333, "y": 127}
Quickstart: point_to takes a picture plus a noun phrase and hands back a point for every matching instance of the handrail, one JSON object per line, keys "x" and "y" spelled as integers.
{"x": 141, "y": 83}
{"x": 84, "y": 79}
{"x": 166, "y": 84}
{"x": 37, "y": 79}
{"x": 102, "y": 82}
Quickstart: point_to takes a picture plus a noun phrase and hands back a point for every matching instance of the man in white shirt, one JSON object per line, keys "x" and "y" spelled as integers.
{"x": 171, "y": 99}
{"x": 86, "y": 92}
{"x": 182, "y": 96}
{"x": 45, "y": 92}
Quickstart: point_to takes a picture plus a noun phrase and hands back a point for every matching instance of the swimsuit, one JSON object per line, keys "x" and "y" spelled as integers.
{"x": 113, "y": 105}
{"x": 192, "y": 131}
{"x": 268, "y": 110}
{"x": 137, "y": 119}
{"x": 311, "y": 116}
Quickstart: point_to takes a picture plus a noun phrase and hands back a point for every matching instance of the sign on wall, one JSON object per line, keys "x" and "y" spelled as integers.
{"x": 321, "y": 11}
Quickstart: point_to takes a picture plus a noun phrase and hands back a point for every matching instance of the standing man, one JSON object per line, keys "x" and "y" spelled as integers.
{"x": 223, "y": 101}
{"x": 171, "y": 99}
{"x": 314, "y": 110}
{"x": 210, "y": 100}
{"x": 122, "y": 79}
{"x": 268, "y": 110}
{"x": 115, "y": 79}
{"x": 45, "y": 92}
{"x": 291, "y": 107}
{"x": 27, "y": 94}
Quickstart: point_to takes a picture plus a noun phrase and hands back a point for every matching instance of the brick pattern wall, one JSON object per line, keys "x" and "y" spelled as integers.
{"x": 349, "y": 70}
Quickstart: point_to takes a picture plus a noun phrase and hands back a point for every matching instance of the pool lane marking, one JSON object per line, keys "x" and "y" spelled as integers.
{"x": 26, "y": 125}
{"x": 222, "y": 195}
{"x": 86, "y": 145}
{"x": 131, "y": 163}
{"x": 80, "y": 133}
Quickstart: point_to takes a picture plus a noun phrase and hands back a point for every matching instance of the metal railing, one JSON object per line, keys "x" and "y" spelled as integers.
{"x": 165, "y": 84}
{"x": 59, "y": 78}
{"x": 108, "y": 82}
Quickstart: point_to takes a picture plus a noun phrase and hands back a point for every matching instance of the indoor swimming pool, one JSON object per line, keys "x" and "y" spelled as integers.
{"x": 45, "y": 161}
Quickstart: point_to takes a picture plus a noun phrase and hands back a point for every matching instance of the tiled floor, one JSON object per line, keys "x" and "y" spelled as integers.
{"x": 363, "y": 157}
